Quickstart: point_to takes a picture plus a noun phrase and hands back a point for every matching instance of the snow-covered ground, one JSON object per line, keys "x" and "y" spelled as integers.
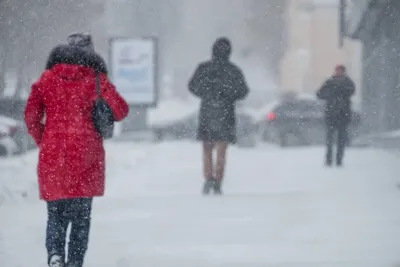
{"x": 280, "y": 208}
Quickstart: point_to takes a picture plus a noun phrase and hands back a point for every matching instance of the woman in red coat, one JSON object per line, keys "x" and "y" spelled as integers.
{"x": 71, "y": 166}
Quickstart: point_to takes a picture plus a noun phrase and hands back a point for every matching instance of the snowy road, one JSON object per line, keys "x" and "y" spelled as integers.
{"x": 280, "y": 208}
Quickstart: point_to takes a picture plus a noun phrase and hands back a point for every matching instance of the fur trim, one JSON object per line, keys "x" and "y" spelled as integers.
{"x": 65, "y": 54}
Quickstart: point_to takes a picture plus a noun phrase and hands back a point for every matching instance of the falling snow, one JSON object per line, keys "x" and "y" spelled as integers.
{"x": 299, "y": 100}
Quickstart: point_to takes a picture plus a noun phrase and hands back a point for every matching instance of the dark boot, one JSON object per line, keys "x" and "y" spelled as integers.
{"x": 328, "y": 162}
{"x": 217, "y": 187}
{"x": 208, "y": 185}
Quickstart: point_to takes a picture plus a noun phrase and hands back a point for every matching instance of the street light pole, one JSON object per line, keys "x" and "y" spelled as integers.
{"x": 342, "y": 22}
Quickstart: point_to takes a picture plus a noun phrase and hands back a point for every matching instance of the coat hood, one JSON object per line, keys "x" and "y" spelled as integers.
{"x": 222, "y": 49}
{"x": 66, "y": 54}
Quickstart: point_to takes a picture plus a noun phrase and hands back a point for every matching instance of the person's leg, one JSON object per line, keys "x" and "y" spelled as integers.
{"x": 220, "y": 165}
{"x": 80, "y": 213}
{"x": 221, "y": 160}
{"x": 208, "y": 169}
{"x": 330, "y": 130}
{"x": 57, "y": 225}
{"x": 341, "y": 144}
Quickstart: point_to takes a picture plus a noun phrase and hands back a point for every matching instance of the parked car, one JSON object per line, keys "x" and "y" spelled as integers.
{"x": 14, "y": 131}
{"x": 300, "y": 122}
{"x": 186, "y": 129}
{"x": 8, "y": 146}
{"x": 246, "y": 128}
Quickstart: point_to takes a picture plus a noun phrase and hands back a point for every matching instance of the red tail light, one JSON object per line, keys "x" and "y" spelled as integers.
{"x": 271, "y": 116}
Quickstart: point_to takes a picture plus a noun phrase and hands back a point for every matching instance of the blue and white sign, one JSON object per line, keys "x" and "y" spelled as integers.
{"x": 133, "y": 69}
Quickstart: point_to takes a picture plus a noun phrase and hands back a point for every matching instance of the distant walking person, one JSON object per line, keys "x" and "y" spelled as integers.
{"x": 219, "y": 84}
{"x": 71, "y": 168}
{"x": 337, "y": 91}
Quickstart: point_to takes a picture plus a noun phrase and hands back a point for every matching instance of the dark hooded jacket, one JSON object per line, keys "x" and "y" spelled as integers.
{"x": 337, "y": 91}
{"x": 219, "y": 84}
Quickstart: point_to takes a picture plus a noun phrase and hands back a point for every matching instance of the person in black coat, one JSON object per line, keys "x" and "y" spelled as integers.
{"x": 337, "y": 91}
{"x": 219, "y": 84}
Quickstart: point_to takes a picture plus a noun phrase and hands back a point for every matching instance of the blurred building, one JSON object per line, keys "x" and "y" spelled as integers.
{"x": 187, "y": 30}
{"x": 265, "y": 24}
{"x": 255, "y": 28}
{"x": 312, "y": 28}
{"x": 376, "y": 24}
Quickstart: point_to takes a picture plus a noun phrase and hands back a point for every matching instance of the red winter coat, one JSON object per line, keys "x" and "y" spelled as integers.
{"x": 71, "y": 160}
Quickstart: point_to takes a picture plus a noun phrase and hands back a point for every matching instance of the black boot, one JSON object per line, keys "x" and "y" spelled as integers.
{"x": 208, "y": 185}
{"x": 339, "y": 160}
{"x": 328, "y": 162}
{"x": 217, "y": 187}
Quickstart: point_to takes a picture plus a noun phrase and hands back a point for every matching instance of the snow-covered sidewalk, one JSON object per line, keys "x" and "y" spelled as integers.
{"x": 280, "y": 208}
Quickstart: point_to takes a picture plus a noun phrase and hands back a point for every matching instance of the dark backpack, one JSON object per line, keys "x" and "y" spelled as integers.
{"x": 102, "y": 115}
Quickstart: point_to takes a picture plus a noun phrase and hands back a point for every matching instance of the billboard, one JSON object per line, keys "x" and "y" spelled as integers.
{"x": 133, "y": 64}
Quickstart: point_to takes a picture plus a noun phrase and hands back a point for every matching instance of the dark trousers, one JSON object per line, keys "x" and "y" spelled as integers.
{"x": 61, "y": 213}
{"x": 341, "y": 131}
